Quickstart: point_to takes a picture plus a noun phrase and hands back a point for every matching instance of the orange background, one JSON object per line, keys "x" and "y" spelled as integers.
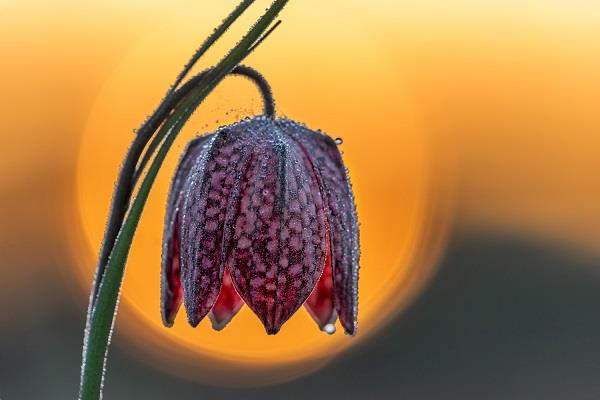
{"x": 483, "y": 114}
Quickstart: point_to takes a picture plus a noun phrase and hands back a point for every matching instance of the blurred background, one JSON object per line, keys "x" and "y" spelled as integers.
{"x": 471, "y": 131}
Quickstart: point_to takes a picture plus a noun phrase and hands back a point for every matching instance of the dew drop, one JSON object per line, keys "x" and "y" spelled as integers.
{"x": 329, "y": 329}
{"x": 339, "y": 141}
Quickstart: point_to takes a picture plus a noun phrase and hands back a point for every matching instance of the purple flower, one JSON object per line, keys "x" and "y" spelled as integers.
{"x": 261, "y": 212}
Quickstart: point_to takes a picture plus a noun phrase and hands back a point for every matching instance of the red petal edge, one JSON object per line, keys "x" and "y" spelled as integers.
{"x": 320, "y": 303}
{"x": 173, "y": 298}
{"x": 228, "y": 303}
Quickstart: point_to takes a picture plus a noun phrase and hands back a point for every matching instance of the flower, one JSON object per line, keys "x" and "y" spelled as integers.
{"x": 261, "y": 212}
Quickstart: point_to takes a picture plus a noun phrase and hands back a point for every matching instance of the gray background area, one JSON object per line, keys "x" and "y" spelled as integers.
{"x": 503, "y": 319}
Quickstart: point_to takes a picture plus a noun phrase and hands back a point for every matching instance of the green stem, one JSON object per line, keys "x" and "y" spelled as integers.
{"x": 103, "y": 306}
{"x": 227, "y": 22}
{"x": 103, "y": 314}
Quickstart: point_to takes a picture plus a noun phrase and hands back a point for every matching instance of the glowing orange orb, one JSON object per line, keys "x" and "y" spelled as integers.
{"x": 333, "y": 77}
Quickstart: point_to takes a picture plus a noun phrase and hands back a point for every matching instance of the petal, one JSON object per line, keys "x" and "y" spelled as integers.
{"x": 171, "y": 292}
{"x": 228, "y": 303}
{"x": 192, "y": 152}
{"x": 320, "y": 303}
{"x": 210, "y": 196}
{"x": 341, "y": 217}
{"x": 278, "y": 248}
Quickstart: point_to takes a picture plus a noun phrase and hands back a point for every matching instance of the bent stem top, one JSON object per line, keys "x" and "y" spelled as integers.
{"x": 242, "y": 70}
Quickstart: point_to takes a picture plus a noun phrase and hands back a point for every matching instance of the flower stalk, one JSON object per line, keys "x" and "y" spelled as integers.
{"x": 162, "y": 128}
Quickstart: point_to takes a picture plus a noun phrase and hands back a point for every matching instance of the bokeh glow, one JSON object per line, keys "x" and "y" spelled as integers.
{"x": 509, "y": 88}
{"x": 318, "y": 77}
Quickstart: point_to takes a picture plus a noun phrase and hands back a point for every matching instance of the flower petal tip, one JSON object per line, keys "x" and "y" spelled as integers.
{"x": 217, "y": 324}
{"x": 194, "y": 319}
{"x": 168, "y": 323}
{"x": 350, "y": 331}
{"x": 169, "y": 309}
{"x": 272, "y": 330}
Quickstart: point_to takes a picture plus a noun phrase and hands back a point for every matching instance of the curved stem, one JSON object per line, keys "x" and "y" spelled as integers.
{"x": 262, "y": 84}
{"x": 242, "y": 70}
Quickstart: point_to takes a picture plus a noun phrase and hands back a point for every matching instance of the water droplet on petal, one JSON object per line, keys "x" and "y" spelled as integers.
{"x": 329, "y": 329}
{"x": 339, "y": 141}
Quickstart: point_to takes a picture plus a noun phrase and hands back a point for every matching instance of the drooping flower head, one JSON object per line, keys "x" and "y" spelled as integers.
{"x": 261, "y": 212}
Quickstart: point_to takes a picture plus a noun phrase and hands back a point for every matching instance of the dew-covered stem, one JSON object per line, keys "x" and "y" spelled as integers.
{"x": 217, "y": 33}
